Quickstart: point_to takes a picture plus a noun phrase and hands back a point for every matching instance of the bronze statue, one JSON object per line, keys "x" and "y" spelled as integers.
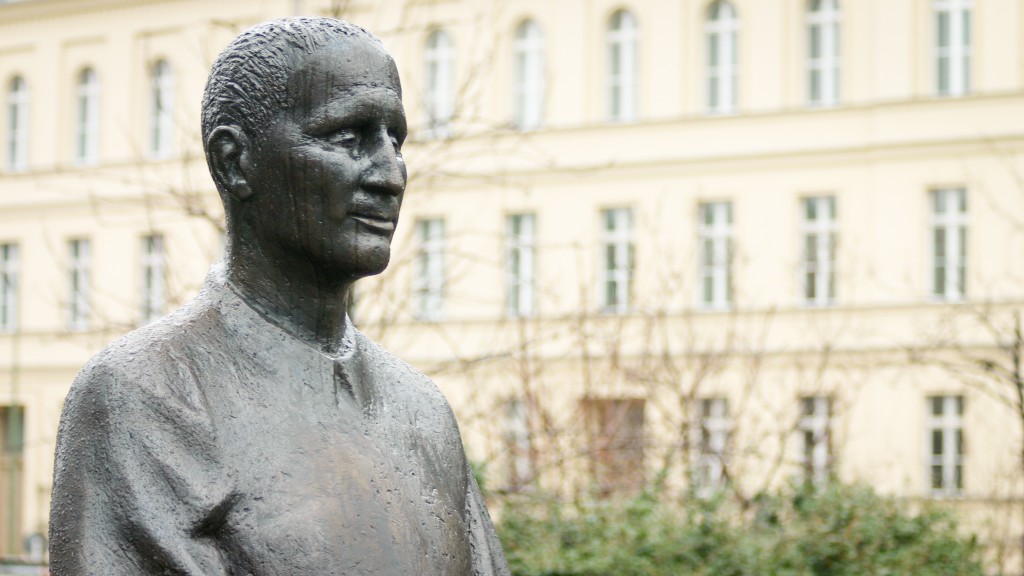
{"x": 256, "y": 431}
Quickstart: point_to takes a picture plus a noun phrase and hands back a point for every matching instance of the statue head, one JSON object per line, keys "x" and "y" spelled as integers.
{"x": 302, "y": 123}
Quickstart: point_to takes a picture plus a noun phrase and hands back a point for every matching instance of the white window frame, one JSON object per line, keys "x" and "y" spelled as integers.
{"x": 715, "y": 238}
{"x": 949, "y": 426}
{"x": 517, "y": 442}
{"x": 814, "y": 429}
{"x": 819, "y": 233}
{"x": 713, "y": 434}
{"x": 18, "y": 101}
{"x": 520, "y": 264}
{"x": 721, "y": 32}
{"x": 429, "y": 284}
{"x": 87, "y": 117}
{"x": 9, "y": 264}
{"x": 529, "y": 81}
{"x": 79, "y": 262}
{"x": 161, "y": 140}
{"x": 949, "y": 218}
{"x": 153, "y": 277}
{"x": 439, "y": 87}
{"x": 955, "y": 56}
{"x": 617, "y": 259}
{"x": 823, "y": 69}
{"x": 623, "y": 66}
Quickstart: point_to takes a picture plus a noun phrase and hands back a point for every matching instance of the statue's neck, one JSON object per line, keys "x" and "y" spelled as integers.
{"x": 311, "y": 310}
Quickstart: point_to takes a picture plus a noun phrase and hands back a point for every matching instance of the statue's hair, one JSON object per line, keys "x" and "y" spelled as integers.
{"x": 248, "y": 81}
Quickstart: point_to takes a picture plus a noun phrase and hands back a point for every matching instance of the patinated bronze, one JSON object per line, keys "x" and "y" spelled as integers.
{"x": 256, "y": 431}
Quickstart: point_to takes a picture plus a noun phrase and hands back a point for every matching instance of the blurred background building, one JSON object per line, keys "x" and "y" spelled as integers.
{"x": 703, "y": 246}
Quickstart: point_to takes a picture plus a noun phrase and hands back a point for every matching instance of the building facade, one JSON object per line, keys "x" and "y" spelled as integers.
{"x": 719, "y": 245}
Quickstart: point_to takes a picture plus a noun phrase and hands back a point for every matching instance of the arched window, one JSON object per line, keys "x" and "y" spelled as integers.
{"x": 161, "y": 109}
{"x": 823, "y": 53}
{"x": 623, "y": 66}
{"x": 439, "y": 58}
{"x": 528, "y": 76}
{"x": 952, "y": 47}
{"x": 87, "y": 115}
{"x": 17, "y": 124}
{"x": 721, "y": 30}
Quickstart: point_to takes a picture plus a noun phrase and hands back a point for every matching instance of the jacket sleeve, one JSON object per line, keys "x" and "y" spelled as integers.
{"x": 488, "y": 556}
{"x": 137, "y": 487}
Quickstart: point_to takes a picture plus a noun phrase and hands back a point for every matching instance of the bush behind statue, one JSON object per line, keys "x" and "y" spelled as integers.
{"x": 834, "y": 531}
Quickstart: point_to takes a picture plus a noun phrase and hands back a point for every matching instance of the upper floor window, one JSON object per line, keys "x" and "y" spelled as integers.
{"x": 153, "y": 272}
{"x": 949, "y": 243}
{"x": 617, "y": 259}
{"x": 528, "y": 81}
{"x": 17, "y": 124}
{"x": 952, "y": 47}
{"x": 945, "y": 428}
{"x": 823, "y": 53}
{"x": 429, "y": 282}
{"x": 161, "y": 126}
{"x": 78, "y": 284}
{"x": 8, "y": 287}
{"x": 439, "y": 96}
{"x": 818, "y": 261}
{"x": 623, "y": 66}
{"x": 521, "y": 245}
{"x": 715, "y": 244}
{"x": 721, "y": 31}
{"x": 87, "y": 117}
{"x": 814, "y": 429}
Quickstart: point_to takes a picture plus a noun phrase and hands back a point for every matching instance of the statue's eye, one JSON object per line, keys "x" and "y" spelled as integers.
{"x": 346, "y": 137}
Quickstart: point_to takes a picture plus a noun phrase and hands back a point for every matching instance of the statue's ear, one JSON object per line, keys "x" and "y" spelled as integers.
{"x": 229, "y": 153}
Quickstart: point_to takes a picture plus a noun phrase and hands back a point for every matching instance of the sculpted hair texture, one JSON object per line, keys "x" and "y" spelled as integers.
{"x": 248, "y": 80}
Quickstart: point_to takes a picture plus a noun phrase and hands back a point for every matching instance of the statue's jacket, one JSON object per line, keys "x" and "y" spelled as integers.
{"x": 214, "y": 442}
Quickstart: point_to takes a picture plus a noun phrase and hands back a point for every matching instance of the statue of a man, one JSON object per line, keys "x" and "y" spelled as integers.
{"x": 256, "y": 431}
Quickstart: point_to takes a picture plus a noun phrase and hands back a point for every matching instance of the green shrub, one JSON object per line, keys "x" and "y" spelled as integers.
{"x": 835, "y": 531}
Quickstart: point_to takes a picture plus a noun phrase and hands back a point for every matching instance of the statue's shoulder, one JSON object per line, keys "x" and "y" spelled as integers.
{"x": 403, "y": 383}
{"x": 152, "y": 364}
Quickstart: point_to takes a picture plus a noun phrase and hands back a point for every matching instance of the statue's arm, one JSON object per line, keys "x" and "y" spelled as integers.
{"x": 488, "y": 556}
{"x": 134, "y": 479}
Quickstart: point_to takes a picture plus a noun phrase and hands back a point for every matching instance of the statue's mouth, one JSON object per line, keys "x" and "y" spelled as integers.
{"x": 375, "y": 222}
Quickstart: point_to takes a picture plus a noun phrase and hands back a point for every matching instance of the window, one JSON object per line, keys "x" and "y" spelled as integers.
{"x": 814, "y": 430}
{"x": 429, "y": 285}
{"x": 517, "y": 444}
{"x": 78, "y": 284}
{"x": 817, "y": 262}
{"x": 823, "y": 53}
{"x": 529, "y": 81}
{"x": 17, "y": 125}
{"x": 952, "y": 47}
{"x": 87, "y": 110}
{"x": 617, "y": 259}
{"x": 721, "y": 30}
{"x": 715, "y": 243}
{"x": 12, "y": 483}
{"x": 949, "y": 243}
{"x": 153, "y": 278}
{"x": 623, "y": 60}
{"x": 440, "y": 89}
{"x": 945, "y": 445}
{"x": 615, "y": 429}
{"x": 8, "y": 287}
{"x": 161, "y": 109}
{"x": 520, "y": 264}
{"x": 713, "y": 434}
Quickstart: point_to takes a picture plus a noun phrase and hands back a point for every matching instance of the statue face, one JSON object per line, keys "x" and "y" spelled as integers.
{"x": 329, "y": 173}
